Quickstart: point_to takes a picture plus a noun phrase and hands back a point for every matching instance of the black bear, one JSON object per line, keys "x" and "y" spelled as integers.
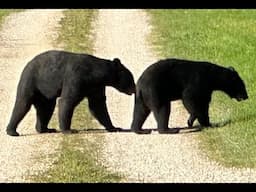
{"x": 192, "y": 81}
{"x": 71, "y": 77}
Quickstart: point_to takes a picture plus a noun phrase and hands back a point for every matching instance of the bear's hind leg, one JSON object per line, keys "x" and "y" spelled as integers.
{"x": 140, "y": 114}
{"x": 21, "y": 107}
{"x": 44, "y": 110}
{"x": 162, "y": 114}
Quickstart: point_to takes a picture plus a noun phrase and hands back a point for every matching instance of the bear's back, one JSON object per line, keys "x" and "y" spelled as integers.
{"x": 177, "y": 72}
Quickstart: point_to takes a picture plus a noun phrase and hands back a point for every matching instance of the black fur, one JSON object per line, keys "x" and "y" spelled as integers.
{"x": 192, "y": 81}
{"x": 71, "y": 77}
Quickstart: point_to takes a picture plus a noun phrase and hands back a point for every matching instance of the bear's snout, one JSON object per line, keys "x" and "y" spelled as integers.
{"x": 131, "y": 91}
{"x": 241, "y": 97}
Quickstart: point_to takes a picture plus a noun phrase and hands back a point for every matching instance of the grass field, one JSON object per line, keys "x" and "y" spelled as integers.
{"x": 228, "y": 38}
{"x": 6, "y": 12}
{"x": 78, "y": 157}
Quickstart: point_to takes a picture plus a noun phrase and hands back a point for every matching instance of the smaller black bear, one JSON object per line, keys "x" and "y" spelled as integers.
{"x": 192, "y": 81}
{"x": 71, "y": 77}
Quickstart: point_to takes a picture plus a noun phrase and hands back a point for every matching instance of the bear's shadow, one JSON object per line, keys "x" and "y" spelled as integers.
{"x": 198, "y": 128}
{"x": 182, "y": 130}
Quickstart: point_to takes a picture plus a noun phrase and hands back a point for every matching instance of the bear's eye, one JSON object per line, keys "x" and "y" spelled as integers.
{"x": 233, "y": 77}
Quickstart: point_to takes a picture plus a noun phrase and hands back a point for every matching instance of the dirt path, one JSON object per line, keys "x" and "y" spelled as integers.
{"x": 23, "y": 35}
{"x": 155, "y": 157}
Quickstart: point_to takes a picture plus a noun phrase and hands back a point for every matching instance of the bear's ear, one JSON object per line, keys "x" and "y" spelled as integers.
{"x": 116, "y": 61}
{"x": 231, "y": 68}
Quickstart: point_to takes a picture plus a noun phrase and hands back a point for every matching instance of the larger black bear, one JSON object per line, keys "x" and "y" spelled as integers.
{"x": 192, "y": 81}
{"x": 71, "y": 77}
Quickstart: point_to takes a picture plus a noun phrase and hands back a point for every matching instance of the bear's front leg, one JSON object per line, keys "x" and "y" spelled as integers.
{"x": 44, "y": 110}
{"x": 66, "y": 109}
{"x": 98, "y": 108}
{"x": 203, "y": 115}
{"x": 191, "y": 120}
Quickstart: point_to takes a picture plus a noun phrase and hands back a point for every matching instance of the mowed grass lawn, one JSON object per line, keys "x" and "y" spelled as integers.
{"x": 228, "y": 38}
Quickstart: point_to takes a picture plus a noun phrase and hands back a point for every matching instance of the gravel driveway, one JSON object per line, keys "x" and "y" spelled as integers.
{"x": 23, "y": 35}
{"x": 141, "y": 158}
{"x": 155, "y": 157}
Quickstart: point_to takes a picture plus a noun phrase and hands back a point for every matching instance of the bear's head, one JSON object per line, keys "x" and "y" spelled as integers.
{"x": 236, "y": 87}
{"x": 123, "y": 81}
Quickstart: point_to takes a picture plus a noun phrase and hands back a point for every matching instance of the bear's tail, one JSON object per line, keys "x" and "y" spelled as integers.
{"x": 139, "y": 97}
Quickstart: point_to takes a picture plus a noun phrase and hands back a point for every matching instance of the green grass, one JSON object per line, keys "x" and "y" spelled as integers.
{"x": 228, "y": 38}
{"x": 78, "y": 159}
{"x": 76, "y": 30}
{"x": 6, "y": 12}
{"x": 78, "y": 162}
